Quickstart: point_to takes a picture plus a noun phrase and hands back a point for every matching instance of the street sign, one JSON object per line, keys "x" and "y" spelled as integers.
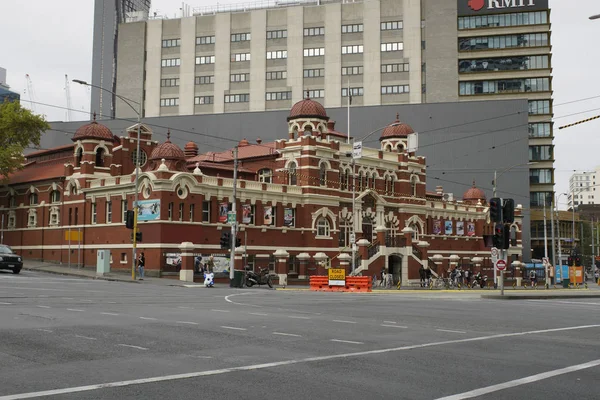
{"x": 337, "y": 276}
{"x": 495, "y": 255}
{"x": 501, "y": 265}
{"x": 545, "y": 261}
{"x": 352, "y": 238}
{"x": 357, "y": 150}
{"x": 231, "y": 217}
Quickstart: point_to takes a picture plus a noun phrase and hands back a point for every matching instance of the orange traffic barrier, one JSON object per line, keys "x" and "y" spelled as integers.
{"x": 353, "y": 284}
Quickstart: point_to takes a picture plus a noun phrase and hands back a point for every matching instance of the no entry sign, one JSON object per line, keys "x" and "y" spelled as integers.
{"x": 501, "y": 265}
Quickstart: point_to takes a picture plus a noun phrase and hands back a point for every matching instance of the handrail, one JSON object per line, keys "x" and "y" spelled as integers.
{"x": 417, "y": 252}
{"x": 373, "y": 249}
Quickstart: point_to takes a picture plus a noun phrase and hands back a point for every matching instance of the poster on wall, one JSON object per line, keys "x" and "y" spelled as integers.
{"x": 437, "y": 227}
{"x": 470, "y": 229}
{"x": 448, "y": 228}
{"x": 148, "y": 210}
{"x": 288, "y": 217}
{"x": 460, "y": 228}
{"x": 246, "y": 214}
{"x": 173, "y": 260}
{"x": 223, "y": 209}
{"x": 268, "y": 214}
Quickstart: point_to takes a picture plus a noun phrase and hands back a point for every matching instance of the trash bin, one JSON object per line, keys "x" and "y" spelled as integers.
{"x": 566, "y": 282}
{"x": 238, "y": 279}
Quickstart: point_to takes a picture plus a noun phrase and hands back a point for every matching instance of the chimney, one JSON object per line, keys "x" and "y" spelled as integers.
{"x": 439, "y": 190}
{"x": 331, "y": 125}
{"x": 190, "y": 150}
{"x": 258, "y": 140}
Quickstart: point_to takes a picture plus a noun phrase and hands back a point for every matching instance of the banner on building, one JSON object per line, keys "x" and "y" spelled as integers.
{"x": 288, "y": 217}
{"x": 460, "y": 228}
{"x": 223, "y": 210}
{"x": 448, "y": 227}
{"x": 437, "y": 227}
{"x": 148, "y": 210}
{"x": 268, "y": 215}
{"x": 470, "y": 229}
{"x": 246, "y": 214}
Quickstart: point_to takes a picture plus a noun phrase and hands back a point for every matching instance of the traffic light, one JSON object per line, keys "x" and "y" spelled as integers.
{"x": 238, "y": 242}
{"x": 129, "y": 219}
{"x": 496, "y": 209}
{"x": 508, "y": 211}
{"x": 570, "y": 261}
{"x": 138, "y": 236}
{"x": 225, "y": 240}
{"x": 501, "y": 237}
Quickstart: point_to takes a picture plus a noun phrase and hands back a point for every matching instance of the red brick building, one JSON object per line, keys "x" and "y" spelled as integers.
{"x": 294, "y": 203}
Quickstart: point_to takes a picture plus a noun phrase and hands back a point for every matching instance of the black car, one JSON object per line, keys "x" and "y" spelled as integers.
{"x": 10, "y": 260}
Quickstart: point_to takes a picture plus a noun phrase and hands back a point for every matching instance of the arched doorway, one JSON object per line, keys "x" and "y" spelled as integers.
{"x": 395, "y": 266}
{"x": 367, "y": 229}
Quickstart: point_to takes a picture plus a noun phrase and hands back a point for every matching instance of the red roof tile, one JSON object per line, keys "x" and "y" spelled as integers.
{"x": 247, "y": 151}
{"x": 40, "y": 171}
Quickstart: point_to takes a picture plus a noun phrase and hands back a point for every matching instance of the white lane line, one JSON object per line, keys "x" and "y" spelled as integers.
{"x": 128, "y": 345}
{"x": 186, "y": 322}
{"x": 5, "y": 304}
{"x": 258, "y": 313}
{"x": 220, "y": 310}
{"x": 341, "y": 321}
{"x": 345, "y": 341}
{"x": 286, "y": 334}
{"x": 111, "y": 302}
{"x": 297, "y": 317}
{"x": 184, "y": 307}
{"x": 108, "y": 313}
{"x": 44, "y": 330}
{"x": 522, "y": 381}
{"x": 389, "y": 322}
{"x": 254, "y": 367}
{"x": 68, "y": 298}
{"x": 87, "y": 301}
{"x": 234, "y": 328}
{"x": 449, "y": 330}
{"x": 148, "y": 318}
{"x": 395, "y": 326}
{"x": 43, "y": 306}
{"x": 85, "y": 337}
{"x": 227, "y": 299}
{"x": 75, "y": 309}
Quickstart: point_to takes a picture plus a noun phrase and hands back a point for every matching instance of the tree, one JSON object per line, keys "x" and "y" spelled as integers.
{"x": 19, "y": 128}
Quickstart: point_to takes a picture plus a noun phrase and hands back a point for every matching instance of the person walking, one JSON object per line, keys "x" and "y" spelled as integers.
{"x": 141, "y": 265}
{"x": 422, "y": 276}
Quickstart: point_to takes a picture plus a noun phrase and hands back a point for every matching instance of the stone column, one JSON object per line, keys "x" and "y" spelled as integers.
{"x": 281, "y": 257}
{"x": 302, "y": 268}
{"x": 238, "y": 261}
{"x": 363, "y": 249}
{"x": 345, "y": 260}
{"x": 380, "y": 232}
{"x": 453, "y": 261}
{"x": 321, "y": 259}
{"x": 408, "y": 231}
{"x": 187, "y": 262}
{"x": 424, "y": 254}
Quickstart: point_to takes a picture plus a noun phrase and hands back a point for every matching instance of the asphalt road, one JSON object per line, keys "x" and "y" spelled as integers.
{"x": 70, "y": 338}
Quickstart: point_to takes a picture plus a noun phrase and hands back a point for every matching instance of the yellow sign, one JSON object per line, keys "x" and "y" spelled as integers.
{"x": 337, "y": 276}
{"x": 75, "y": 236}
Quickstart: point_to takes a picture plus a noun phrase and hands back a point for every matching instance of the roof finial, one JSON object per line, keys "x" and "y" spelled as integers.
{"x": 397, "y": 116}
{"x": 307, "y": 94}
{"x": 168, "y": 135}
{"x": 474, "y": 183}
{"x": 94, "y": 116}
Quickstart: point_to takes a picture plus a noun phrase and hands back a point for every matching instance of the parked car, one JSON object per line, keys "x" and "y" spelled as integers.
{"x": 10, "y": 260}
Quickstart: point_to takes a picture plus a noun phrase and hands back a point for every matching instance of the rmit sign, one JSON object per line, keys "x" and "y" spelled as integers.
{"x": 474, "y": 7}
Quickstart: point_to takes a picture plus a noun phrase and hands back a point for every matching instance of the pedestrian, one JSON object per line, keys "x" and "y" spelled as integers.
{"x": 382, "y": 277}
{"x": 422, "y": 276}
{"x": 374, "y": 280}
{"x": 467, "y": 277}
{"x": 141, "y": 265}
{"x": 428, "y": 277}
{"x": 533, "y": 277}
{"x": 551, "y": 274}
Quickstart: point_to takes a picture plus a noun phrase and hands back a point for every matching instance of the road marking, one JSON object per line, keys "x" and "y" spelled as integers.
{"x": 87, "y": 301}
{"x": 286, "y": 334}
{"x": 128, "y": 345}
{"x": 68, "y": 298}
{"x": 75, "y": 309}
{"x": 297, "y": 317}
{"x": 345, "y": 341}
{"x": 111, "y": 302}
{"x": 44, "y": 306}
{"x": 233, "y": 327}
{"x": 254, "y": 367}
{"x": 148, "y": 318}
{"x": 6, "y": 304}
{"x": 451, "y": 331}
{"x": 389, "y": 322}
{"x": 108, "y": 313}
{"x": 227, "y": 299}
{"x": 565, "y": 302}
{"x": 522, "y": 381}
{"x": 186, "y": 322}
{"x": 86, "y": 337}
{"x": 395, "y": 326}
{"x": 44, "y": 330}
{"x": 341, "y": 321}
{"x": 184, "y": 307}
{"x": 220, "y": 310}
{"x": 258, "y": 313}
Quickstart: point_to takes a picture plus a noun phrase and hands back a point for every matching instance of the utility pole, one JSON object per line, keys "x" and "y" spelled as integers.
{"x": 354, "y": 219}
{"x": 234, "y": 210}
{"x": 593, "y": 245}
{"x": 552, "y": 225}
{"x": 546, "y": 245}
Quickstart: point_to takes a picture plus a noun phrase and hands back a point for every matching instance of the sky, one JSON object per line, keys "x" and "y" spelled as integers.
{"x": 48, "y": 39}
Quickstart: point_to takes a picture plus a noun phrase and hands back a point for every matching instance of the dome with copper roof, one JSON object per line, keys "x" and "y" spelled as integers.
{"x": 167, "y": 150}
{"x": 474, "y": 194}
{"x": 93, "y": 130}
{"x": 396, "y": 129}
{"x": 308, "y": 108}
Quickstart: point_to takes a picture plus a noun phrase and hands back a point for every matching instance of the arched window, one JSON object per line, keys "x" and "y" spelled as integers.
{"x": 79, "y": 157}
{"x": 100, "y": 157}
{"x": 322, "y": 174}
{"x": 33, "y": 199}
{"x": 292, "y": 173}
{"x": 400, "y": 147}
{"x": 415, "y": 231}
{"x": 55, "y": 196}
{"x": 361, "y": 181}
{"x": 343, "y": 180}
{"x": 388, "y": 147}
{"x": 323, "y": 228}
{"x": 345, "y": 232}
{"x": 11, "y": 201}
{"x": 413, "y": 186}
{"x": 265, "y": 175}
{"x": 391, "y": 232}
{"x": 373, "y": 180}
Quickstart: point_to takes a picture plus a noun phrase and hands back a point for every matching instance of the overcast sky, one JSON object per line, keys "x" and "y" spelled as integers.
{"x": 48, "y": 39}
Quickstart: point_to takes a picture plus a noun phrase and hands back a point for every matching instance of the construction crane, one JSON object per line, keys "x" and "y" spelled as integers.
{"x": 580, "y": 122}
{"x": 31, "y": 93}
{"x": 68, "y": 94}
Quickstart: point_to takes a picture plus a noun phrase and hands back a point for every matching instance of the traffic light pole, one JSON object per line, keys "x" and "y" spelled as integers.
{"x": 234, "y": 209}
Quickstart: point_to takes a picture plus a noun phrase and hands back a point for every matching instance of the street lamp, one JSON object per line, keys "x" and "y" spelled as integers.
{"x": 496, "y": 175}
{"x": 137, "y": 165}
{"x": 354, "y": 190}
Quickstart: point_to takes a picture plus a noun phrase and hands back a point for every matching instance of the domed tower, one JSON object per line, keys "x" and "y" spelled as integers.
{"x": 93, "y": 148}
{"x": 190, "y": 150}
{"x": 395, "y": 136}
{"x": 171, "y": 153}
{"x": 474, "y": 195}
{"x": 307, "y": 117}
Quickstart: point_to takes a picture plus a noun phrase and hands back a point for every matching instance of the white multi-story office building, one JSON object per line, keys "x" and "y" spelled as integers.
{"x": 582, "y": 188}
